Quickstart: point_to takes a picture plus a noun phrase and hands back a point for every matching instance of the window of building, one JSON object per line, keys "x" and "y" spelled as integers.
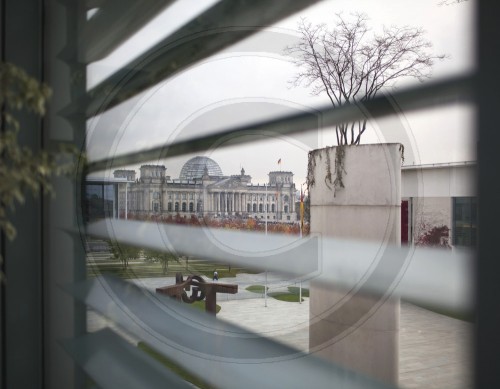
{"x": 273, "y": 208}
{"x": 260, "y": 208}
{"x": 116, "y": 32}
{"x": 183, "y": 207}
{"x": 286, "y": 208}
{"x": 249, "y": 207}
{"x": 191, "y": 207}
{"x": 464, "y": 221}
{"x": 100, "y": 201}
{"x": 169, "y": 207}
{"x": 254, "y": 208}
{"x": 176, "y": 207}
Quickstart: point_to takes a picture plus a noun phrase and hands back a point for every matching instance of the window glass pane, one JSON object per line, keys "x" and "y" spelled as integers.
{"x": 100, "y": 201}
{"x": 465, "y": 223}
{"x": 250, "y": 82}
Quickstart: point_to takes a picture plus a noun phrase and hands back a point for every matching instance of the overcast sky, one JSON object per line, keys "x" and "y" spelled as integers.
{"x": 250, "y": 82}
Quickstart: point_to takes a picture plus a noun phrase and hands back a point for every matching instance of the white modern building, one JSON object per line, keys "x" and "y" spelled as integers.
{"x": 439, "y": 204}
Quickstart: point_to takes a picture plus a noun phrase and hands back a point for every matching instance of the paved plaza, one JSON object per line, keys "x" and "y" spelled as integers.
{"x": 434, "y": 349}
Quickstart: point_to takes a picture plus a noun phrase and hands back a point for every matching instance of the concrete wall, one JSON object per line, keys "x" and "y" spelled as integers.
{"x": 353, "y": 328}
{"x": 429, "y": 213}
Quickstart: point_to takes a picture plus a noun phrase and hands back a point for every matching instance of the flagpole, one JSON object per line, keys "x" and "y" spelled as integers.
{"x": 265, "y": 211}
{"x": 265, "y": 291}
{"x": 301, "y": 210}
{"x": 301, "y": 222}
{"x": 265, "y": 215}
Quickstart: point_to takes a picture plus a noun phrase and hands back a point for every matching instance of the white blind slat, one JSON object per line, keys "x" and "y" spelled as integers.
{"x": 113, "y": 363}
{"x": 426, "y": 96}
{"x": 223, "y": 354}
{"x": 115, "y": 22}
{"x": 434, "y": 276}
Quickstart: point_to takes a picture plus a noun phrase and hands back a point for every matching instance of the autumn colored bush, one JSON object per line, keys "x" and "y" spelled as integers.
{"x": 437, "y": 236}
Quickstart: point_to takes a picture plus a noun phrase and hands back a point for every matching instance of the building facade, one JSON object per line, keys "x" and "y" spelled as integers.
{"x": 204, "y": 191}
{"x": 439, "y": 205}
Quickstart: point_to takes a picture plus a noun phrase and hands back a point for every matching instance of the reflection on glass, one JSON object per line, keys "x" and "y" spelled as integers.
{"x": 100, "y": 201}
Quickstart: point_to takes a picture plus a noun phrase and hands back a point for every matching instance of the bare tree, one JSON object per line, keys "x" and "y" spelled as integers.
{"x": 451, "y": 2}
{"x": 124, "y": 253}
{"x": 163, "y": 257}
{"x": 351, "y": 64}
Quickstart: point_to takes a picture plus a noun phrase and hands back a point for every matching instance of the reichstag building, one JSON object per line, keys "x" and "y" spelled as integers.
{"x": 203, "y": 190}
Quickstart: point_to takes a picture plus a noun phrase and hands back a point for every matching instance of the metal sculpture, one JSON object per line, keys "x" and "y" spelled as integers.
{"x": 200, "y": 290}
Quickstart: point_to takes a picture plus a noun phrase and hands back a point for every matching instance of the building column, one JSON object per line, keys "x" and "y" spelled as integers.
{"x": 350, "y": 324}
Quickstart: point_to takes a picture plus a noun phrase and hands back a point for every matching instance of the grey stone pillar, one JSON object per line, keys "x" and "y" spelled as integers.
{"x": 354, "y": 328}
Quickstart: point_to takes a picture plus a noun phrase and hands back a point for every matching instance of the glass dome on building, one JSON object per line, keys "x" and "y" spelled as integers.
{"x": 195, "y": 167}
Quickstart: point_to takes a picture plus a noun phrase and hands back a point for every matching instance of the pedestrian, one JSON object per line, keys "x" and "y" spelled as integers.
{"x": 216, "y": 276}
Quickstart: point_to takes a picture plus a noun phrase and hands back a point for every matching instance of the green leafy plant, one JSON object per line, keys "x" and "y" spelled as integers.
{"x": 23, "y": 171}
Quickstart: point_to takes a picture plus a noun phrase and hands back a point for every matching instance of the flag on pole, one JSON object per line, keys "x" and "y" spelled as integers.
{"x": 301, "y": 209}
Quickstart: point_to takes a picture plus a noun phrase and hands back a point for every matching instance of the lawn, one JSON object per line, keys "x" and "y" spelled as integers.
{"x": 175, "y": 368}
{"x": 256, "y": 289}
{"x": 143, "y": 269}
{"x": 284, "y": 296}
{"x": 296, "y": 290}
{"x": 291, "y": 296}
{"x": 201, "y": 306}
